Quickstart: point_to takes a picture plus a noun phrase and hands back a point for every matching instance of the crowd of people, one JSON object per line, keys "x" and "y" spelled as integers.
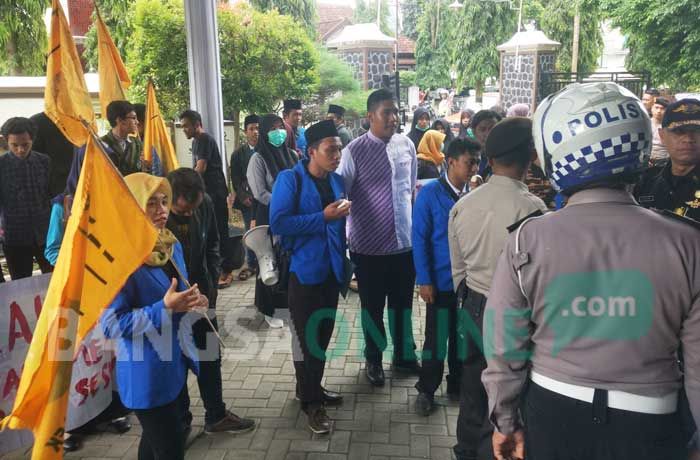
{"x": 528, "y": 306}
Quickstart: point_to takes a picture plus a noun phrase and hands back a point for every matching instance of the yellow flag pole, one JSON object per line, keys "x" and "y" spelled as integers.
{"x": 177, "y": 269}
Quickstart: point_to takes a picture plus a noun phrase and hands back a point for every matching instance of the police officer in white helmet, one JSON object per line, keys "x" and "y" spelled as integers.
{"x": 588, "y": 305}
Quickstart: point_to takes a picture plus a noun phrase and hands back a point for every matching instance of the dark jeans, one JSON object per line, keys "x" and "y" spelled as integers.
{"x": 225, "y": 247}
{"x": 380, "y": 278}
{"x": 440, "y": 340}
{"x": 209, "y": 377}
{"x": 314, "y": 332}
{"x": 20, "y": 260}
{"x": 248, "y": 214}
{"x": 473, "y": 427}
{"x": 562, "y": 428}
{"x": 163, "y": 433}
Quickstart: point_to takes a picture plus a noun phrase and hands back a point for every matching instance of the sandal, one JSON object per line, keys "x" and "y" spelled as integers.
{"x": 245, "y": 274}
{"x": 225, "y": 280}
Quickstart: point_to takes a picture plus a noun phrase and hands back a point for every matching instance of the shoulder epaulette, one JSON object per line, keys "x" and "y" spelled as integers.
{"x": 515, "y": 226}
{"x": 672, "y": 215}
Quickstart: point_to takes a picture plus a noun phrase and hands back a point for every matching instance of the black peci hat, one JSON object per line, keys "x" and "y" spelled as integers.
{"x": 320, "y": 130}
{"x": 336, "y": 109}
{"x": 292, "y": 104}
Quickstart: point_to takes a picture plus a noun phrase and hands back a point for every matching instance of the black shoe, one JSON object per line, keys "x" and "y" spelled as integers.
{"x": 424, "y": 404}
{"x": 330, "y": 398}
{"x": 72, "y": 443}
{"x": 119, "y": 425}
{"x": 375, "y": 374}
{"x": 453, "y": 390}
{"x": 406, "y": 367}
{"x": 230, "y": 423}
{"x": 319, "y": 422}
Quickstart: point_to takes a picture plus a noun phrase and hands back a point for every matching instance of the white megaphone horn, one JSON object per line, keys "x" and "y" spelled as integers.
{"x": 259, "y": 241}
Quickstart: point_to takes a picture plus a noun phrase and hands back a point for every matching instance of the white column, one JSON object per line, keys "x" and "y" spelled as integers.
{"x": 205, "y": 68}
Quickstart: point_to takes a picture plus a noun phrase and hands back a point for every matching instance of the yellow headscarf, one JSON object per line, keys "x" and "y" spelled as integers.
{"x": 429, "y": 147}
{"x": 143, "y": 186}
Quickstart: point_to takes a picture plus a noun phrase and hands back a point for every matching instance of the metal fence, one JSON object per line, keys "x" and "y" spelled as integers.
{"x": 551, "y": 82}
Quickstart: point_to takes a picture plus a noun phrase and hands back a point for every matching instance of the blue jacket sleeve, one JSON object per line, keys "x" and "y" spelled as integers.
{"x": 283, "y": 220}
{"x": 422, "y": 233}
{"x": 55, "y": 235}
{"x": 121, "y": 319}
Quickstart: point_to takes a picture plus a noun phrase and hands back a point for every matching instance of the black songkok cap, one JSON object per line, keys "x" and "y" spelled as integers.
{"x": 508, "y": 135}
{"x": 251, "y": 119}
{"x": 319, "y": 131}
{"x": 292, "y": 104}
{"x": 336, "y": 109}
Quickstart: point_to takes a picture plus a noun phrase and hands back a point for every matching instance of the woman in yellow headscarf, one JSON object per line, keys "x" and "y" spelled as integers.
{"x": 144, "y": 319}
{"x": 430, "y": 156}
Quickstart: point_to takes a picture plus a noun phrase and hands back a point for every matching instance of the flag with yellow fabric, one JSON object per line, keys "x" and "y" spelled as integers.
{"x": 107, "y": 238}
{"x": 114, "y": 79}
{"x": 157, "y": 138}
{"x": 66, "y": 98}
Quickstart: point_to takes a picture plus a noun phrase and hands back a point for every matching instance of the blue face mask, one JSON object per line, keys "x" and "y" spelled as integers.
{"x": 277, "y": 137}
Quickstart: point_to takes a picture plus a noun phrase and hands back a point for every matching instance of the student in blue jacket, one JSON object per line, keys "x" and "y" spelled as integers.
{"x": 431, "y": 256}
{"x": 145, "y": 319}
{"x": 308, "y": 210}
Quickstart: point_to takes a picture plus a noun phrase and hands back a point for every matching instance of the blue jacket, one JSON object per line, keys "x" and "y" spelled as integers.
{"x": 317, "y": 246}
{"x": 56, "y": 228}
{"x": 431, "y": 250}
{"x": 154, "y": 346}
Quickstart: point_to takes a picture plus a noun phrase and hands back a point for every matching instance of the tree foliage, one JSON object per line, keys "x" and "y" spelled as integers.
{"x": 256, "y": 73}
{"x": 23, "y": 38}
{"x": 663, "y": 38}
{"x": 366, "y": 12}
{"x": 335, "y": 76}
{"x": 118, "y": 15}
{"x": 435, "y": 48}
{"x": 412, "y": 10}
{"x": 557, "y": 22}
{"x": 303, "y": 11}
{"x": 355, "y": 103}
{"x": 482, "y": 27}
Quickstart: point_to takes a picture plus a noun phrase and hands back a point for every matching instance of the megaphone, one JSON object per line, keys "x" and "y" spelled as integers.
{"x": 259, "y": 241}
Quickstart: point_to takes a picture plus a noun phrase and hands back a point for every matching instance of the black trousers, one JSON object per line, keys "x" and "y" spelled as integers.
{"x": 163, "y": 433}
{"x": 312, "y": 309}
{"x": 225, "y": 248}
{"x": 440, "y": 341}
{"x": 562, "y": 428}
{"x": 381, "y": 280}
{"x": 473, "y": 427}
{"x": 20, "y": 260}
{"x": 209, "y": 377}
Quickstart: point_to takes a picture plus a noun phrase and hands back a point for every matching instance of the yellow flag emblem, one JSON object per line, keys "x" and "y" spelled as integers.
{"x": 114, "y": 78}
{"x": 157, "y": 138}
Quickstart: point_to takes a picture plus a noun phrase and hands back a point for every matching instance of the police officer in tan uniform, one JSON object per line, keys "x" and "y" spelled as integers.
{"x": 588, "y": 305}
{"x": 477, "y": 231}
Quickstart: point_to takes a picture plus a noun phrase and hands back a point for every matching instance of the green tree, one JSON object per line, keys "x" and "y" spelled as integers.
{"x": 412, "y": 11}
{"x": 303, "y": 11}
{"x": 482, "y": 27}
{"x": 118, "y": 15}
{"x": 663, "y": 38}
{"x": 366, "y": 12}
{"x": 557, "y": 22}
{"x": 23, "y": 38}
{"x": 355, "y": 103}
{"x": 435, "y": 45}
{"x": 335, "y": 76}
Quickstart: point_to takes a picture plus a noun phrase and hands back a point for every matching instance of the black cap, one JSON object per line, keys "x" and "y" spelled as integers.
{"x": 336, "y": 109}
{"x": 679, "y": 114}
{"x": 320, "y": 130}
{"x": 292, "y": 104}
{"x": 251, "y": 119}
{"x": 508, "y": 135}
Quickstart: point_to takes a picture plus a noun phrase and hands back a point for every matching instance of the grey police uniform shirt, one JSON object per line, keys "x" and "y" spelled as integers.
{"x": 478, "y": 228}
{"x": 609, "y": 292}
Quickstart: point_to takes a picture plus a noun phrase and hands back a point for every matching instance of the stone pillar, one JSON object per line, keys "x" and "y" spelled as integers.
{"x": 205, "y": 68}
{"x": 523, "y": 59}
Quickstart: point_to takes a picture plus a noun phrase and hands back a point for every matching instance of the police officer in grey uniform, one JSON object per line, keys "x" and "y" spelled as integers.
{"x": 477, "y": 230}
{"x": 588, "y": 305}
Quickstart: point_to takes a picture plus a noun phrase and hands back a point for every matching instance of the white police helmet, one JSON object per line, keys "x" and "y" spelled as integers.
{"x": 588, "y": 132}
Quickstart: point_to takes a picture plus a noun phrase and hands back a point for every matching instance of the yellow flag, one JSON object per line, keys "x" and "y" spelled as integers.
{"x": 114, "y": 78}
{"x": 106, "y": 239}
{"x": 66, "y": 97}
{"x": 157, "y": 137}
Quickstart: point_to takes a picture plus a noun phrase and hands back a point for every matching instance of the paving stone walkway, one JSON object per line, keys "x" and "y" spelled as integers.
{"x": 258, "y": 382}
